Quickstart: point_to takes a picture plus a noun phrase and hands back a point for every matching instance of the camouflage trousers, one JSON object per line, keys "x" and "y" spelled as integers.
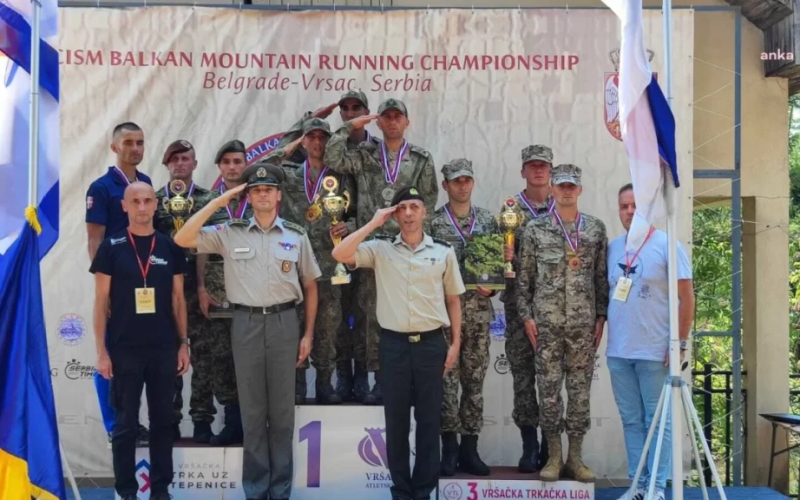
{"x": 367, "y": 330}
{"x": 470, "y": 372}
{"x": 326, "y": 327}
{"x": 565, "y": 353}
{"x": 345, "y": 337}
{"x": 522, "y": 360}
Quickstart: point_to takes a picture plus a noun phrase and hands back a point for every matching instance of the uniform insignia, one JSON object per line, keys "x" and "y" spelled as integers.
{"x": 293, "y": 226}
{"x": 287, "y": 246}
{"x": 413, "y": 191}
{"x": 286, "y": 266}
{"x": 262, "y": 172}
{"x": 89, "y": 202}
{"x": 441, "y": 242}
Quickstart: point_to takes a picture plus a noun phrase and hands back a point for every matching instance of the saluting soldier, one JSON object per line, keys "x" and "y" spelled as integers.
{"x": 303, "y": 190}
{"x": 456, "y": 222}
{"x": 535, "y": 201}
{"x": 269, "y": 268}
{"x": 381, "y": 169}
{"x": 562, "y": 298}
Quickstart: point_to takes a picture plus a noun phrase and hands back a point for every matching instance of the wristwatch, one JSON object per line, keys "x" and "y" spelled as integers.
{"x": 184, "y": 341}
{"x": 684, "y": 345}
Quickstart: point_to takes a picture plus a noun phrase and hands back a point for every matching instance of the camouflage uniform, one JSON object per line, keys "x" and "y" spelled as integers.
{"x": 294, "y": 205}
{"x": 565, "y": 304}
{"x": 365, "y": 164}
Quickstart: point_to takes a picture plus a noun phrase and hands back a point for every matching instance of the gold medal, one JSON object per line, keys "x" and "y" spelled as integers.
{"x": 313, "y": 212}
{"x": 574, "y": 263}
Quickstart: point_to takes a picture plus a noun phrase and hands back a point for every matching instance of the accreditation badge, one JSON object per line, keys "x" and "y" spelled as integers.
{"x": 622, "y": 289}
{"x": 145, "y": 301}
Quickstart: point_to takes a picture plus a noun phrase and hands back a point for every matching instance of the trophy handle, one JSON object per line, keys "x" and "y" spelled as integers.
{"x": 190, "y": 201}
{"x": 347, "y": 201}
{"x": 165, "y": 203}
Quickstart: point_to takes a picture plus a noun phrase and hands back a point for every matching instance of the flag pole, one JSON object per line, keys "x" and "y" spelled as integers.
{"x": 672, "y": 276}
{"x": 33, "y": 142}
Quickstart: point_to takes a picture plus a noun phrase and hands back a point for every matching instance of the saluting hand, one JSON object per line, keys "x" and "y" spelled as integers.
{"x": 362, "y": 121}
{"x": 304, "y": 349}
{"x": 230, "y": 194}
{"x": 532, "y": 332}
{"x": 452, "y": 357}
{"x": 382, "y": 215}
{"x": 325, "y": 111}
{"x": 289, "y": 148}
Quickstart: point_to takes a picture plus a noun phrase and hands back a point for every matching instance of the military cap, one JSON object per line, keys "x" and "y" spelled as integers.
{"x": 537, "y": 152}
{"x": 407, "y": 193}
{"x": 234, "y": 146}
{"x": 177, "y": 147}
{"x": 316, "y": 124}
{"x": 393, "y": 103}
{"x": 457, "y": 168}
{"x": 354, "y": 94}
{"x": 262, "y": 174}
{"x": 566, "y": 173}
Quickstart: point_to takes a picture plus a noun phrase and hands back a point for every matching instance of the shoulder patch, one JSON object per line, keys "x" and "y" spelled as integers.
{"x": 420, "y": 151}
{"x": 293, "y": 226}
{"x": 238, "y": 223}
{"x": 441, "y": 242}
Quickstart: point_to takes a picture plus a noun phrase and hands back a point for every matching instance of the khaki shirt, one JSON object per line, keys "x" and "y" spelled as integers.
{"x": 263, "y": 267}
{"x": 411, "y": 284}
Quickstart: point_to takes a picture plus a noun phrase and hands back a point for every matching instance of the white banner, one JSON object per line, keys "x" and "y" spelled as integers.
{"x": 480, "y": 85}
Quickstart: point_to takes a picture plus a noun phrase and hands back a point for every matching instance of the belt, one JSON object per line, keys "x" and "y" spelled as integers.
{"x": 412, "y": 337}
{"x": 265, "y": 310}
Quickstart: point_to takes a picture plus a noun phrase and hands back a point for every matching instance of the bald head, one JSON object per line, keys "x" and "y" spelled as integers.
{"x": 139, "y": 202}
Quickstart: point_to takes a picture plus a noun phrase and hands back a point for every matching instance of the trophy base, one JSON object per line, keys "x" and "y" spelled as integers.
{"x": 510, "y": 274}
{"x": 341, "y": 280}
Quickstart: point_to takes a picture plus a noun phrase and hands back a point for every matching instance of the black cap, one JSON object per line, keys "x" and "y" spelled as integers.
{"x": 405, "y": 194}
{"x": 263, "y": 174}
{"x": 234, "y": 146}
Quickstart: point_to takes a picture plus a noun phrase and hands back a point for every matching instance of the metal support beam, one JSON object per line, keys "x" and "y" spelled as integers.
{"x": 712, "y": 334}
{"x": 715, "y": 174}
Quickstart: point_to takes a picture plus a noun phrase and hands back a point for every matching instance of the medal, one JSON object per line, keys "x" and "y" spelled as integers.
{"x": 457, "y": 227}
{"x": 388, "y": 195}
{"x": 390, "y": 174}
{"x": 122, "y": 174}
{"x": 242, "y": 205}
{"x": 574, "y": 262}
{"x": 313, "y": 212}
{"x": 535, "y": 211}
{"x": 311, "y": 191}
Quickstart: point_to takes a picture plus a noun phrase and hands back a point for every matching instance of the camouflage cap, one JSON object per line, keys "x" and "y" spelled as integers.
{"x": 393, "y": 103}
{"x": 457, "y": 168}
{"x": 234, "y": 146}
{"x": 565, "y": 173}
{"x": 354, "y": 94}
{"x": 262, "y": 174}
{"x": 177, "y": 147}
{"x": 316, "y": 124}
{"x": 537, "y": 152}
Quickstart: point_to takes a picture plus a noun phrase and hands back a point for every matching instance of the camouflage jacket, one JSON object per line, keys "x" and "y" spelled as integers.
{"x": 165, "y": 222}
{"x": 294, "y": 204}
{"x": 474, "y": 307}
{"x": 364, "y": 163}
{"x": 551, "y": 293}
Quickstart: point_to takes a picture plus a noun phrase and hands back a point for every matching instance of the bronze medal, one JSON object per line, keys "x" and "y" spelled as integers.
{"x": 574, "y": 263}
{"x": 313, "y": 212}
{"x": 286, "y": 266}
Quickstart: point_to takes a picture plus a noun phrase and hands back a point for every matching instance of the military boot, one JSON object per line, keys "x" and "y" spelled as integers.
{"x": 325, "y": 393}
{"x": 449, "y": 454}
{"x": 575, "y": 467}
{"x": 344, "y": 381}
{"x": 375, "y": 397}
{"x": 468, "y": 459}
{"x": 530, "y": 450}
{"x": 555, "y": 463}
{"x": 360, "y": 382}
{"x": 232, "y": 433}
{"x": 202, "y": 433}
{"x": 543, "y": 454}
{"x": 300, "y": 386}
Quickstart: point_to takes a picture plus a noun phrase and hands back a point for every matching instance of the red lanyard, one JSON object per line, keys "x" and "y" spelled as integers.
{"x": 629, "y": 262}
{"x": 144, "y": 269}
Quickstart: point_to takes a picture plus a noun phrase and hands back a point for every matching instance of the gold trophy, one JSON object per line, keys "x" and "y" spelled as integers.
{"x": 334, "y": 207}
{"x": 177, "y": 206}
{"x": 510, "y": 219}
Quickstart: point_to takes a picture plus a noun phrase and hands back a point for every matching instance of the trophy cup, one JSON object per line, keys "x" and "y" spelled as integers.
{"x": 510, "y": 219}
{"x": 177, "y": 206}
{"x": 334, "y": 206}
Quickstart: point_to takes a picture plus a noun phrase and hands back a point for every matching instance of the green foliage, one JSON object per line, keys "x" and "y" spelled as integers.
{"x": 484, "y": 255}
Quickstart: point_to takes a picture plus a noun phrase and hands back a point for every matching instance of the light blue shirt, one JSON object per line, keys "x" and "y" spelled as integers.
{"x": 639, "y": 327}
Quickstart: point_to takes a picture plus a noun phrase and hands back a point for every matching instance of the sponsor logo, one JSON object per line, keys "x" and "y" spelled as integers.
{"x": 202, "y": 475}
{"x": 372, "y": 448}
{"x": 117, "y": 241}
{"x": 75, "y": 370}
{"x": 452, "y": 491}
{"x": 89, "y": 202}
{"x": 157, "y": 261}
{"x": 497, "y": 328}
{"x": 71, "y": 329}
{"x": 611, "y": 94}
{"x": 143, "y": 475}
{"x": 53, "y": 372}
{"x": 501, "y": 364}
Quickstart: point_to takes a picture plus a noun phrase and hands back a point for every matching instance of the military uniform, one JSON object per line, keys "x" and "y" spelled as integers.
{"x": 519, "y": 351}
{"x": 565, "y": 295}
{"x": 265, "y": 269}
{"x": 300, "y": 185}
{"x": 376, "y": 187}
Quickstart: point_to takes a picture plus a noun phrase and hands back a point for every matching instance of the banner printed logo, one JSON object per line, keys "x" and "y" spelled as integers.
{"x": 143, "y": 475}
{"x": 372, "y": 448}
{"x": 255, "y": 152}
{"x": 501, "y": 364}
{"x": 71, "y": 329}
{"x": 611, "y": 94}
{"x": 452, "y": 491}
{"x": 497, "y": 328}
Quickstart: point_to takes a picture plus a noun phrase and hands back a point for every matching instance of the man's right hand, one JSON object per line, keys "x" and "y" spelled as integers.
{"x": 531, "y": 331}
{"x": 205, "y": 300}
{"x": 228, "y": 195}
{"x": 104, "y": 367}
{"x": 325, "y": 111}
{"x": 361, "y": 121}
{"x": 382, "y": 215}
{"x": 289, "y": 148}
{"x": 508, "y": 253}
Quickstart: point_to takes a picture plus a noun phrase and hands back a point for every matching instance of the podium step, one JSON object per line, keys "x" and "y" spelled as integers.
{"x": 507, "y": 482}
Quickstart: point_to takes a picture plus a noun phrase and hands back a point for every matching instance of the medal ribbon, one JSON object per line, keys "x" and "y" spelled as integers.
{"x": 188, "y": 195}
{"x": 533, "y": 210}
{"x": 122, "y": 174}
{"x": 628, "y": 263}
{"x": 144, "y": 269}
{"x": 391, "y": 174}
{"x": 578, "y": 222}
{"x": 455, "y": 224}
{"x": 242, "y": 205}
{"x": 311, "y": 195}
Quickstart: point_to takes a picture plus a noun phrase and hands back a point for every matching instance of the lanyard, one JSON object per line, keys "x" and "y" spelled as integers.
{"x": 573, "y": 245}
{"x": 532, "y": 209}
{"x": 144, "y": 269}
{"x": 242, "y": 204}
{"x": 628, "y": 263}
{"x": 391, "y": 174}
{"x": 188, "y": 195}
{"x": 311, "y": 195}
{"x": 455, "y": 224}
{"x": 122, "y": 174}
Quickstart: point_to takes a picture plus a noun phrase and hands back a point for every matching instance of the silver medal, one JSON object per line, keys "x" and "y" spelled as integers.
{"x": 388, "y": 194}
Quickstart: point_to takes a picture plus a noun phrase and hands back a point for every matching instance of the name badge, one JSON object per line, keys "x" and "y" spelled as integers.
{"x": 623, "y": 289}
{"x": 145, "y": 301}
{"x": 241, "y": 250}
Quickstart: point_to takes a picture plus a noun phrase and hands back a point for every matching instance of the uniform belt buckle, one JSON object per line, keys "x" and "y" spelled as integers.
{"x": 414, "y": 338}
{"x": 265, "y": 310}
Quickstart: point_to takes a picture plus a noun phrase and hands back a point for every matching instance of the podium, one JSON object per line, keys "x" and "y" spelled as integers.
{"x": 506, "y": 482}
